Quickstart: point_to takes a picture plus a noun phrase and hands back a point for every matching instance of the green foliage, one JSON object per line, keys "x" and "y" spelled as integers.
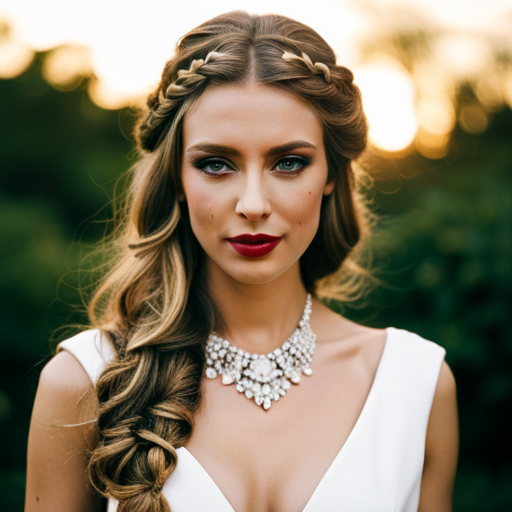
{"x": 444, "y": 246}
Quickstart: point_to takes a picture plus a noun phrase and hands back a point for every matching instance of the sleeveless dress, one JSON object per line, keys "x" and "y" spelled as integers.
{"x": 379, "y": 467}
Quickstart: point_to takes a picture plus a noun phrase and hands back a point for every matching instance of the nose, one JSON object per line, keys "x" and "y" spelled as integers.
{"x": 253, "y": 203}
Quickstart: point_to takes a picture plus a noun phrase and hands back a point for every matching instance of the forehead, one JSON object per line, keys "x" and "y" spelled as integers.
{"x": 259, "y": 115}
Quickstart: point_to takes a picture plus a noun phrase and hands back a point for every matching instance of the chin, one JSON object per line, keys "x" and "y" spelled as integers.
{"x": 253, "y": 272}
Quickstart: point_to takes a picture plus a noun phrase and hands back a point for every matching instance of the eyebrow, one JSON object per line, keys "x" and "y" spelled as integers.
{"x": 226, "y": 150}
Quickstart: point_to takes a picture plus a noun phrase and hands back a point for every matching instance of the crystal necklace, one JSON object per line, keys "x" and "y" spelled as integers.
{"x": 263, "y": 378}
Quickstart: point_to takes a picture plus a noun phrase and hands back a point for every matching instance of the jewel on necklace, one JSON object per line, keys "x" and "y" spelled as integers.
{"x": 263, "y": 378}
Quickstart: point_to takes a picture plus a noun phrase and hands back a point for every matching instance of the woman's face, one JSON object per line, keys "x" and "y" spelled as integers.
{"x": 253, "y": 164}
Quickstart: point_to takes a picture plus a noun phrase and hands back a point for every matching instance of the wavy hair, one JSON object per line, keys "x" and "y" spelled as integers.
{"x": 154, "y": 304}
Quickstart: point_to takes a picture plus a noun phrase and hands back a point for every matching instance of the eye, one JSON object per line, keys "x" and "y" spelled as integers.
{"x": 292, "y": 165}
{"x": 213, "y": 167}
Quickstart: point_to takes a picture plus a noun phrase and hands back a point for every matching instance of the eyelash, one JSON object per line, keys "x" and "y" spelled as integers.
{"x": 305, "y": 162}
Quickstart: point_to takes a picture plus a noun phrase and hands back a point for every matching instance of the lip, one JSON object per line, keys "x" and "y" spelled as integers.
{"x": 254, "y": 246}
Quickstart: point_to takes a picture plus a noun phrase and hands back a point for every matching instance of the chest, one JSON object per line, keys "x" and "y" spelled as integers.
{"x": 275, "y": 460}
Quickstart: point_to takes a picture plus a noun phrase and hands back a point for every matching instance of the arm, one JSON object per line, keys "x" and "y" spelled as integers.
{"x": 57, "y": 454}
{"x": 441, "y": 448}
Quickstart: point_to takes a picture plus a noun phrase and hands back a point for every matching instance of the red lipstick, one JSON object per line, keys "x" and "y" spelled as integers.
{"x": 254, "y": 246}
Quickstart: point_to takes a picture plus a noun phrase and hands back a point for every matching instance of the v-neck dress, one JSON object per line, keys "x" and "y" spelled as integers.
{"x": 379, "y": 467}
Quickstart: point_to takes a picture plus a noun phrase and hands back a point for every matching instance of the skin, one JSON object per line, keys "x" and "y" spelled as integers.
{"x": 253, "y": 457}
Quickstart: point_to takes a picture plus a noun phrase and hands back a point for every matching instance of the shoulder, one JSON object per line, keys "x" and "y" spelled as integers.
{"x": 443, "y": 416}
{"x": 64, "y": 374}
{"x": 441, "y": 446}
{"x": 65, "y": 394}
{"x": 63, "y": 430}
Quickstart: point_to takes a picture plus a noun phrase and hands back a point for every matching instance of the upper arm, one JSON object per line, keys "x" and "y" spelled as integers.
{"x": 441, "y": 448}
{"x": 62, "y": 431}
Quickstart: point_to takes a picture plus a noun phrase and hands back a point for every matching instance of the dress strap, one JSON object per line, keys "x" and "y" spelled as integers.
{"x": 92, "y": 349}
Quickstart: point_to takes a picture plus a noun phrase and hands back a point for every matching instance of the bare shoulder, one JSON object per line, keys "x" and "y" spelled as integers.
{"x": 65, "y": 391}
{"x": 443, "y": 415}
{"x": 62, "y": 433}
{"x": 63, "y": 372}
{"x": 441, "y": 447}
{"x": 446, "y": 387}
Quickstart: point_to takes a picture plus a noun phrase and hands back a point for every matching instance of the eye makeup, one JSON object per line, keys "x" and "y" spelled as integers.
{"x": 290, "y": 166}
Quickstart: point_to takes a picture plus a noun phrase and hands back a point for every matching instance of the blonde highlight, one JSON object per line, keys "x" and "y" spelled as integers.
{"x": 154, "y": 304}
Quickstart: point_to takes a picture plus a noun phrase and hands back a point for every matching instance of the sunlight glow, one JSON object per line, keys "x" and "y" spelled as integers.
{"x": 15, "y": 58}
{"x": 463, "y": 55}
{"x": 436, "y": 114}
{"x": 490, "y": 91}
{"x": 507, "y": 88}
{"x": 65, "y": 67}
{"x": 121, "y": 46}
{"x": 388, "y": 101}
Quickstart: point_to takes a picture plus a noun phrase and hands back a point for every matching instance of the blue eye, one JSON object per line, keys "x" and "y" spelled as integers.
{"x": 291, "y": 164}
{"x": 213, "y": 166}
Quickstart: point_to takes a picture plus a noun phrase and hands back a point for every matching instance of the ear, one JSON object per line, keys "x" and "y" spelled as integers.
{"x": 328, "y": 188}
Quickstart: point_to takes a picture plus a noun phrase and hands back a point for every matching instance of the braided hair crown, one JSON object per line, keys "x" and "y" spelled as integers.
{"x": 236, "y": 47}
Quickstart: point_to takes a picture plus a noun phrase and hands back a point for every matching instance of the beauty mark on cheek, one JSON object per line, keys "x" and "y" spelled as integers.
{"x": 212, "y": 216}
{"x": 310, "y": 192}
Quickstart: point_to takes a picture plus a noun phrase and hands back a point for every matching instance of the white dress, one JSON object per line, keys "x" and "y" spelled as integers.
{"x": 380, "y": 465}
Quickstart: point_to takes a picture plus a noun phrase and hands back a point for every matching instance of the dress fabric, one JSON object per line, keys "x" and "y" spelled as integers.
{"x": 379, "y": 467}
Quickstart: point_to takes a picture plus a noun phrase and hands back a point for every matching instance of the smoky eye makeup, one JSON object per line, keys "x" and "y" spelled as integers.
{"x": 291, "y": 165}
{"x": 212, "y": 166}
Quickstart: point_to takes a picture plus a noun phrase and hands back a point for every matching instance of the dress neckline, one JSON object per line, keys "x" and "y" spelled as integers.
{"x": 369, "y": 399}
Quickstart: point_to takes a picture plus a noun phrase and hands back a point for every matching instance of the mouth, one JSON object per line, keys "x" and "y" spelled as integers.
{"x": 254, "y": 246}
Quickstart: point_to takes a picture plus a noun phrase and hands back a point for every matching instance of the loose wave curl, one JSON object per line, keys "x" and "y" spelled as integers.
{"x": 154, "y": 304}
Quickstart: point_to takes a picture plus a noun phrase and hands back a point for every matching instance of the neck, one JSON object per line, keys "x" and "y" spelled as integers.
{"x": 257, "y": 317}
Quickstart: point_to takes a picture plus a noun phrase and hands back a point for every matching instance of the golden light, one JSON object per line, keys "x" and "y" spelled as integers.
{"x": 489, "y": 91}
{"x": 65, "y": 67}
{"x": 507, "y": 88}
{"x": 432, "y": 145}
{"x": 462, "y": 55}
{"x": 437, "y": 119}
{"x": 432, "y": 79}
{"x": 436, "y": 114}
{"x": 388, "y": 101}
{"x": 129, "y": 41}
{"x": 107, "y": 98}
{"x": 15, "y": 58}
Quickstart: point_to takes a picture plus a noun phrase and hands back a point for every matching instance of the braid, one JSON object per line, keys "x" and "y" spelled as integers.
{"x": 142, "y": 425}
{"x": 155, "y": 303}
{"x": 164, "y": 101}
{"x": 316, "y": 68}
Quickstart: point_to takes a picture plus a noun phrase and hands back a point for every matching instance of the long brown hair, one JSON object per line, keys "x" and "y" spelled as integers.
{"x": 154, "y": 303}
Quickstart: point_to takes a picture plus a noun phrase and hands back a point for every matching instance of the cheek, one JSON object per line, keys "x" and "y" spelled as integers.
{"x": 201, "y": 205}
{"x": 301, "y": 208}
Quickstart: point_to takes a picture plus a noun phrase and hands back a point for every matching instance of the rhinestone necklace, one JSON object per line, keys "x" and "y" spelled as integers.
{"x": 263, "y": 378}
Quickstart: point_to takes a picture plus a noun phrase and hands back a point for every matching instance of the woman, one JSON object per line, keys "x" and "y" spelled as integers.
{"x": 244, "y": 202}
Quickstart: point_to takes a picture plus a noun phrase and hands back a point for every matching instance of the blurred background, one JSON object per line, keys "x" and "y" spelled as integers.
{"x": 436, "y": 79}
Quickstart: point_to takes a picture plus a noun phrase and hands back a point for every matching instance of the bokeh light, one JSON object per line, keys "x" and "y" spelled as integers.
{"x": 15, "y": 58}
{"x": 65, "y": 67}
{"x": 388, "y": 101}
{"x": 120, "y": 47}
{"x": 473, "y": 118}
